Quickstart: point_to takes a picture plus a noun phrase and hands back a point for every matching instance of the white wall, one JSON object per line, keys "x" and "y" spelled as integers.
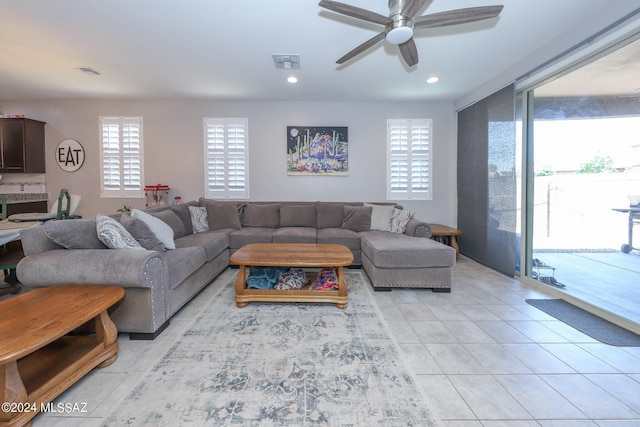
{"x": 173, "y": 148}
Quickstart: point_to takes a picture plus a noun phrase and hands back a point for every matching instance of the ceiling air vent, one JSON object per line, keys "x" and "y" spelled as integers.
{"x": 287, "y": 62}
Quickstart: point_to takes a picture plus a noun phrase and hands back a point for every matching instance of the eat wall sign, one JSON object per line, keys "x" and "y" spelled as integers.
{"x": 69, "y": 155}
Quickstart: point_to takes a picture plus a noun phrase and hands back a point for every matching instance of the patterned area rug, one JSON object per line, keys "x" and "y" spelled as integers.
{"x": 270, "y": 364}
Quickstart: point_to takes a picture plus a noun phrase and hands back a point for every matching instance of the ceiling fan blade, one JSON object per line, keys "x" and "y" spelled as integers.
{"x": 355, "y": 12}
{"x": 458, "y": 16}
{"x": 409, "y": 52}
{"x": 411, "y": 7}
{"x": 364, "y": 46}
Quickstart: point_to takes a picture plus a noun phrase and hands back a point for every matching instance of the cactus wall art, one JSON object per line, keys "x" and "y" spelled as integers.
{"x": 318, "y": 151}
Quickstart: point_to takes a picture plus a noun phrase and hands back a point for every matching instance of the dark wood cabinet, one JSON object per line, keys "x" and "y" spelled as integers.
{"x": 27, "y": 207}
{"x": 22, "y": 146}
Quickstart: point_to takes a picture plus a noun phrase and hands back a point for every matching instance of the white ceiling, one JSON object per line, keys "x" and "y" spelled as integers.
{"x": 223, "y": 49}
{"x": 615, "y": 73}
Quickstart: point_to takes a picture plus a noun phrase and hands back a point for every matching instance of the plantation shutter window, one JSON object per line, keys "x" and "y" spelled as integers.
{"x": 409, "y": 159}
{"x": 121, "y": 157}
{"x": 226, "y": 158}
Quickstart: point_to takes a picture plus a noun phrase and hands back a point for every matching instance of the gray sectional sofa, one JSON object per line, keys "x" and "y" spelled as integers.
{"x": 159, "y": 281}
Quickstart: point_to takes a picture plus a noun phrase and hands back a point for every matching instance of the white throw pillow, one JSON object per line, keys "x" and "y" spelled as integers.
{"x": 161, "y": 229}
{"x": 400, "y": 219}
{"x": 199, "y": 218}
{"x": 381, "y": 216}
{"x": 114, "y": 235}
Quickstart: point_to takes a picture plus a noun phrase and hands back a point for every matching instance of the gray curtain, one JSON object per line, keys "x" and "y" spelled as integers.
{"x": 487, "y": 204}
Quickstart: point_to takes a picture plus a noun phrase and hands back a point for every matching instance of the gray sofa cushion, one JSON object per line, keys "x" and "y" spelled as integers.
{"x": 392, "y": 250}
{"x": 183, "y": 262}
{"x": 213, "y": 242}
{"x": 259, "y": 215}
{"x": 247, "y": 235}
{"x": 221, "y": 215}
{"x": 142, "y": 233}
{"x": 329, "y": 215}
{"x": 339, "y": 236}
{"x": 298, "y": 215}
{"x": 173, "y": 220}
{"x": 74, "y": 234}
{"x": 357, "y": 218}
{"x": 295, "y": 235}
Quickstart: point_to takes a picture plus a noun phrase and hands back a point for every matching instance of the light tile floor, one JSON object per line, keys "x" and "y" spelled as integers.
{"x": 482, "y": 355}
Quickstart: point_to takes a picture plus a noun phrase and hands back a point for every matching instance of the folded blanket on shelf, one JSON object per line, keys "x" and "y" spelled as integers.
{"x": 264, "y": 277}
{"x": 327, "y": 280}
{"x": 292, "y": 279}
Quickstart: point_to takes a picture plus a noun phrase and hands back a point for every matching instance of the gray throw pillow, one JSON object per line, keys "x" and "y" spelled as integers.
{"x": 222, "y": 215}
{"x": 172, "y": 220}
{"x": 257, "y": 215}
{"x": 142, "y": 233}
{"x": 357, "y": 218}
{"x": 113, "y": 234}
{"x": 74, "y": 233}
{"x": 298, "y": 216}
{"x": 183, "y": 213}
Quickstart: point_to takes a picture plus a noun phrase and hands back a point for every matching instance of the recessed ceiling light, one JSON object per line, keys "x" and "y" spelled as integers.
{"x": 292, "y": 79}
{"x": 432, "y": 80}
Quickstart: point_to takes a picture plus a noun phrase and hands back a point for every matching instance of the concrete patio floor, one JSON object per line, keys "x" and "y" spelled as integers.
{"x": 609, "y": 280}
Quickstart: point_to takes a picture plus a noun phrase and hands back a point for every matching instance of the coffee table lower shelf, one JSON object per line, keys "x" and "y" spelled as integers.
{"x": 245, "y": 295}
{"x": 296, "y": 255}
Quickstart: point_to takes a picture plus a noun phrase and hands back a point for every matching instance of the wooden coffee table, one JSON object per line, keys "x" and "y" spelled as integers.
{"x": 38, "y": 360}
{"x": 291, "y": 255}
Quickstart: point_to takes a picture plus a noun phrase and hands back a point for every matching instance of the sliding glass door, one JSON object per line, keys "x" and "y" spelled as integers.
{"x": 583, "y": 178}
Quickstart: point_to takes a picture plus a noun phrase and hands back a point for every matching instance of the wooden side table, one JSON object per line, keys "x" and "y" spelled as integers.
{"x": 447, "y": 235}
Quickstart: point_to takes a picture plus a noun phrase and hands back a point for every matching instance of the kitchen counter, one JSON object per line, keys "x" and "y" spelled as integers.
{"x": 13, "y": 198}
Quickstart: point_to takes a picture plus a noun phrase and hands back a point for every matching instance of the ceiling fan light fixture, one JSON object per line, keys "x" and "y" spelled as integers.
{"x": 89, "y": 70}
{"x": 399, "y": 25}
{"x": 399, "y": 35}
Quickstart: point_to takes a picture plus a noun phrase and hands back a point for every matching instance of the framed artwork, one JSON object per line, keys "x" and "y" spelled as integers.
{"x": 317, "y": 150}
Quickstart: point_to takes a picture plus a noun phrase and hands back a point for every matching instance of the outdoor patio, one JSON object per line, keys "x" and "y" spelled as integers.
{"x": 578, "y": 232}
{"x": 610, "y": 280}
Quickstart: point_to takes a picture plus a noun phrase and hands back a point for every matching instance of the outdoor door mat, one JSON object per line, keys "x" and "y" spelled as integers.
{"x": 587, "y": 323}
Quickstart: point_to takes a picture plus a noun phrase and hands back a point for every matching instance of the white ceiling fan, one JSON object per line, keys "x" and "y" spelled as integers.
{"x": 399, "y": 25}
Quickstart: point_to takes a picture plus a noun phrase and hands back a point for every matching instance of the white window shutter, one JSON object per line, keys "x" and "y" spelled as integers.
{"x": 226, "y": 158}
{"x": 121, "y": 157}
{"x": 409, "y": 159}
